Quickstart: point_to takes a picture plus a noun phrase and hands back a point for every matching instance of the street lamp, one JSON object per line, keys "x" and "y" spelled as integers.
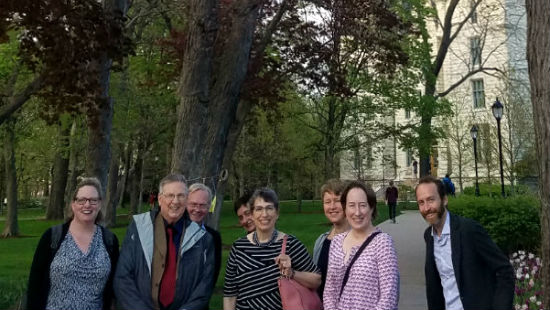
{"x": 498, "y": 108}
{"x": 473, "y": 133}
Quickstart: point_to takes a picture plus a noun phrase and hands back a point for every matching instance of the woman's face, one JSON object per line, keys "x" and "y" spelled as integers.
{"x": 264, "y": 214}
{"x": 358, "y": 211}
{"x": 333, "y": 208}
{"x": 86, "y": 204}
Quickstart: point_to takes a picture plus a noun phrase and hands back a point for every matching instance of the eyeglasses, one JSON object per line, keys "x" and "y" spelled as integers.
{"x": 82, "y": 201}
{"x": 170, "y": 197}
{"x": 361, "y": 206}
{"x": 268, "y": 209}
{"x": 198, "y": 205}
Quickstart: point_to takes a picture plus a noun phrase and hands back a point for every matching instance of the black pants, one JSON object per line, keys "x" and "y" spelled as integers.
{"x": 392, "y": 206}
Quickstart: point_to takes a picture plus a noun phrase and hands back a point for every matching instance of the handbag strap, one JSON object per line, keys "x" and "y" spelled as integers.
{"x": 283, "y": 247}
{"x": 355, "y": 257}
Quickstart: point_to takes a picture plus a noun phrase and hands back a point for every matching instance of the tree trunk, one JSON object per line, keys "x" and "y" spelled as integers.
{"x": 73, "y": 166}
{"x": 11, "y": 228}
{"x": 111, "y": 200}
{"x": 538, "y": 58}
{"x": 125, "y": 172}
{"x": 135, "y": 175}
{"x": 100, "y": 121}
{"x": 60, "y": 173}
{"x": 210, "y": 96}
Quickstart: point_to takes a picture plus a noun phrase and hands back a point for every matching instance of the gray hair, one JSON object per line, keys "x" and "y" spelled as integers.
{"x": 172, "y": 178}
{"x": 201, "y": 187}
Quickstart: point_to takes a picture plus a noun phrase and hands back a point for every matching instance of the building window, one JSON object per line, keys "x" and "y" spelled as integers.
{"x": 474, "y": 11}
{"x": 478, "y": 93}
{"x": 407, "y": 113}
{"x": 475, "y": 51}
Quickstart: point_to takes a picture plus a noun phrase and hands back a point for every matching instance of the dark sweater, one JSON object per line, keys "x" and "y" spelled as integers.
{"x": 39, "y": 277}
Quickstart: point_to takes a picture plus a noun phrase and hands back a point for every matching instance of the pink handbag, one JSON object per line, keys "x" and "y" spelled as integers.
{"x": 295, "y": 296}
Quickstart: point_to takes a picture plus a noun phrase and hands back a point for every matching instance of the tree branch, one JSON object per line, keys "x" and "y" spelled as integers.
{"x": 17, "y": 101}
{"x": 464, "y": 78}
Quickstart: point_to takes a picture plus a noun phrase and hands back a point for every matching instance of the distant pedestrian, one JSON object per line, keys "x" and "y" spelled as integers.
{"x": 449, "y": 185}
{"x": 391, "y": 199}
{"x": 464, "y": 268}
{"x": 152, "y": 200}
{"x": 415, "y": 168}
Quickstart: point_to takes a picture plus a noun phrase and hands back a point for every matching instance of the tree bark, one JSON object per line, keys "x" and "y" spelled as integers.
{"x": 100, "y": 121}
{"x": 135, "y": 176}
{"x": 538, "y": 58}
{"x": 111, "y": 200}
{"x": 73, "y": 166}
{"x": 125, "y": 172}
{"x": 210, "y": 95}
{"x": 60, "y": 174}
{"x": 11, "y": 227}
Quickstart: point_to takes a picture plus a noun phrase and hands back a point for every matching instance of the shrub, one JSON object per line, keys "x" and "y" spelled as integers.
{"x": 513, "y": 222}
{"x": 494, "y": 190}
{"x": 30, "y": 203}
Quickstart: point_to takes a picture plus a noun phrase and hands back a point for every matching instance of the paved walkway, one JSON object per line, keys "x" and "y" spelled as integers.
{"x": 411, "y": 249}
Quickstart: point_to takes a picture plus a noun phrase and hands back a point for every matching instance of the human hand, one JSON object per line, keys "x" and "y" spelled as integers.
{"x": 285, "y": 265}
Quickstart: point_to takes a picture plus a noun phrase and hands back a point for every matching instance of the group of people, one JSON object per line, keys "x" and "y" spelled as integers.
{"x": 171, "y": 260}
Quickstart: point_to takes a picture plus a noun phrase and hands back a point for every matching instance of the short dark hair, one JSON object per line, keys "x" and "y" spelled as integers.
{"x": 371, "y": 195}
{"x": 243, "y": 200}
{"x": 335, "y": 186}
{"x": 267, "y": 194}
{"x": 430, "y": 179}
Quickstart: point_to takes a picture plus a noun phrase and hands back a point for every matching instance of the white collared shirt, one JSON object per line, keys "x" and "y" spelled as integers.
{"x": 444, "y": 263}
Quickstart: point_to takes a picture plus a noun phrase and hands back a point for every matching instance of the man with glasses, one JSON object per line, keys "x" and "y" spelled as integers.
{"x": 200, "y": 199}
{"x": 166, "y": 260}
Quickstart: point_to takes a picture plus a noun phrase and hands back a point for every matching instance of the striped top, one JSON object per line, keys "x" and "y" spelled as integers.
{"x": 373, "y": 281}
{"x": 251, "y": 273}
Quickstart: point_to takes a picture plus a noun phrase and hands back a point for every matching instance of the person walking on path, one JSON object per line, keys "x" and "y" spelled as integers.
{"x": 464, "y": 268}
{"x": 391, "y": 200}
{"x": 449, "y": 185}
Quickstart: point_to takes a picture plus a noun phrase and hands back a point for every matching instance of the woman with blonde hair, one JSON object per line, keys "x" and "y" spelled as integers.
{"x": 74, "y": 262}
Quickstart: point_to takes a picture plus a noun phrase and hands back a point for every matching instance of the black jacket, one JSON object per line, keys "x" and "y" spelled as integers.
{"x": 39, "y": 277}
{"x": 483, "y": 273}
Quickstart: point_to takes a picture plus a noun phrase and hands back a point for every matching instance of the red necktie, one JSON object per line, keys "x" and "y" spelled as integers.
{"x": 168, "y": 282}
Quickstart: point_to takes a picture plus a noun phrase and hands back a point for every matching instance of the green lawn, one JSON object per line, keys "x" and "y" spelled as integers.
{"x": 16, "y": 253}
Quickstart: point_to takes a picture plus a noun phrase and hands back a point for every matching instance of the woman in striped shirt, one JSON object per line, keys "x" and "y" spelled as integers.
{"x": 255, "y": 261}
{"x": 373, "y": 281}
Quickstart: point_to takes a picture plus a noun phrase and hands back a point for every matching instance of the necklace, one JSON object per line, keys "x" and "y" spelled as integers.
{"x": 265, "y": 244}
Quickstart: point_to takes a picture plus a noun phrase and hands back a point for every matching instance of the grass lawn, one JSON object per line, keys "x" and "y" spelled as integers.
{"x": 16, "y": 253}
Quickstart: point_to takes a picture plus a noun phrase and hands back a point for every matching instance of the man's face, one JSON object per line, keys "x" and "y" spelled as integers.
{"x": 197, "y": 205}
{"x": 431, "y": 206}
{"x": 245, "y": 218}
{"x": 172, "y": 201}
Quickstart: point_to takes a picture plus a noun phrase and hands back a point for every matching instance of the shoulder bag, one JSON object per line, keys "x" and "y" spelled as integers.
{"x": 295, "y": 296}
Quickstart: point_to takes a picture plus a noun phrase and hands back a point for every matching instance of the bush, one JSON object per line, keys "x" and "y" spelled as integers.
{"x": 513, "y": 222}
{"x": 494, "y": 190}
{"x": 31, "y": 203}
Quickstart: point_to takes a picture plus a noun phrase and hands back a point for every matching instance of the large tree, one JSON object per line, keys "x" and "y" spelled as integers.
{"x": 538, "y": 57}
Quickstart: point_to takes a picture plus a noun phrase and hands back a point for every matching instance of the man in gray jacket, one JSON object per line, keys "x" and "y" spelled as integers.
{"x": 166, "y": 260}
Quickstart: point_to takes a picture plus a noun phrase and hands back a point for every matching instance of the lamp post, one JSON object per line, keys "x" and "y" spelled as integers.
{"x": 473, "y": 133}
{"x": 498, "y": 108}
